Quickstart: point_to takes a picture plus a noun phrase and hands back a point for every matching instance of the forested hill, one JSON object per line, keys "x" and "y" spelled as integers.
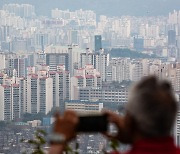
{"x": 107, "y": 7}
{"x": 114, "y": 53}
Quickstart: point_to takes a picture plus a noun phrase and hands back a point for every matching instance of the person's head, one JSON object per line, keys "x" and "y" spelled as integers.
{"x": 152, "y": 107}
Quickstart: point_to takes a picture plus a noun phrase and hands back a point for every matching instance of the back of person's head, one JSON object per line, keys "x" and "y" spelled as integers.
{"x": 153, "y": 107}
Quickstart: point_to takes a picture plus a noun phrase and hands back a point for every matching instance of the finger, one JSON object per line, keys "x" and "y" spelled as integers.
{"x": 71, "y": 116}
{"x": 112, "y": 117}
{"x": 116, "y": 119}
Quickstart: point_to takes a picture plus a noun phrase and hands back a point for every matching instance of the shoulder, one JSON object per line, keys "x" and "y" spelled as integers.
{"x": 177, "y": 150}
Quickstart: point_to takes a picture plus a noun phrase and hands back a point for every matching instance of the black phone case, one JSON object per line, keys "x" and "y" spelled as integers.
{"x": 92, "y": 124}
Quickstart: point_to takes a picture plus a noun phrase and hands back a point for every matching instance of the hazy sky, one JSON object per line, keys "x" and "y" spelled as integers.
{"x": 107, "y": 7}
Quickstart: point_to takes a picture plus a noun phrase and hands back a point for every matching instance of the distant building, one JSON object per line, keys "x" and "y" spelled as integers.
{"x": 176, "y": 131}
{"x": 39, "y": 92}
{"x": 84, "y": 106}
{"x": 98, "y": 42}
{"x": 136, "y": 71}
{"x": 17, "y": 63}
{"x": 22, "y": 86}
{"x": 9, "y": 102}
{"x": 37, "y": 58}
{"x": 2, "y": 61}
{"x": 63, "y": 55}
{"x": 74, "y": 58}
{"x": 23, "y": 10}
{"x": 138, "y": 43}
{"x": 32, "y": 94}
{"x": 171, "y": 37}
{"x": 118, "y": 70}
{"x": 41, "y": 40}
{"x": 34, "y": 123}
{"x": 99, "y": 60}
{"x": 84, "y": 77}
{"x": 61, "y": 86}
{"x": 45, "y": 95}
{"x": 55, "y": 59}
{"x": 73, "y": 37}
{"x": 104, "y": 94}
{"x": 19, "y": 45}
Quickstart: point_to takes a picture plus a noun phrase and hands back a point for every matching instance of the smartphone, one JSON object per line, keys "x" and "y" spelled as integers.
{"x": 93, "y": 123}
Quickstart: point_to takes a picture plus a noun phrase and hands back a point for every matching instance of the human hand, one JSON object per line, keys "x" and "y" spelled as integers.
{"x": 66, "y": 125}
{"x": 124, "y": 133}
{"x": 118, "y": 121}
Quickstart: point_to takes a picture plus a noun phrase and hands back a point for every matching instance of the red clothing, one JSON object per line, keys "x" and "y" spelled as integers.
{"x": 154, "y": 146}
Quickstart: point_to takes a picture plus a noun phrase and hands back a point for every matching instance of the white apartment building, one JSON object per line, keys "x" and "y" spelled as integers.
{"x": 55, "y": 59}
{"x": 74, "y": 58}
{"x": 23, "y": 10}
{"x": 61, "y": 86}
{"x": 136, "y": 71}
{"x": 85, "y": 77}
{"x": 149, "y": 31}
{"x": 2, "y": 61}
{"x": 10, "y": 102}
{"x": 5, "y": 102}
{"x": 63, "y": 55}
{"x": 121, "y": 69}
{"x": 173, "y": 73}
{"x": 104, "y": 94}
{"x": 16, "y": 62}
{"x": 159, "y": 70}
{"x": 45, "y": 94}
{"x": 31, "y": 70}
{"x": 16, "y": 107}
{"x": 32, "y": 104}
{"x": 38, "y": 93}
{"x": 176, "y": 131}
{"x": 122, "y": 27}
{"x": 22, "y": 86}
{"x": 99, "y": 60}
{"x": 118, "y": 70}
{"x": 174, "y": 17}
{"x": 3, "y": 76}
{"x": 84, "y": 106}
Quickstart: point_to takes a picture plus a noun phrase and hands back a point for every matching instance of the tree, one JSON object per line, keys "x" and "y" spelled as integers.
{"x": 129, "y": 53}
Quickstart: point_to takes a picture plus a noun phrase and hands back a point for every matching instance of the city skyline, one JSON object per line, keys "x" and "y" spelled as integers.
{"x": 81, "y": 59}
{"x": 118, "y": 7}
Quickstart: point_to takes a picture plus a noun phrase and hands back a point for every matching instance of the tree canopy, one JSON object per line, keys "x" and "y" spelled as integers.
{"x": 128, "y": 53}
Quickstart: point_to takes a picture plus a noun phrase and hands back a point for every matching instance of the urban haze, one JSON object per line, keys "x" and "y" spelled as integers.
{"x": 81, "y": 55}
{"x": 106, "y": 7}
